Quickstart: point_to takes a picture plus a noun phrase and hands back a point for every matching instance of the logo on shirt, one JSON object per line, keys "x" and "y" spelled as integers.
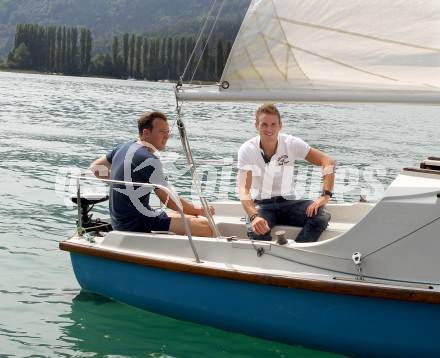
{"x": 137, "y": 192}
{"x": 283, "y": 159}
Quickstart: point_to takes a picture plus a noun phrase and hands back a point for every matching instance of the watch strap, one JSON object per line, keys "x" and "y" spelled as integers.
{"x": 252, "y": 217}
{"x": 327, "y": 192}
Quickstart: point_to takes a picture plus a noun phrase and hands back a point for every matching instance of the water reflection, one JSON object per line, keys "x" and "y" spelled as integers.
{"x": 51, "y": 123}
{"x": 100, "y": 326}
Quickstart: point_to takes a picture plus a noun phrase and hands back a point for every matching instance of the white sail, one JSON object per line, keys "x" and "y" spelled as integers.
{"x": 322, "y": 50}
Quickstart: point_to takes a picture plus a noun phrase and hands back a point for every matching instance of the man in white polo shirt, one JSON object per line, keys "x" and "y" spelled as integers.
{"x": 266, "y": 182}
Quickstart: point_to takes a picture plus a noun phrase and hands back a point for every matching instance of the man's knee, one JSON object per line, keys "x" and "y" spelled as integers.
{"x": 200, "y": 226}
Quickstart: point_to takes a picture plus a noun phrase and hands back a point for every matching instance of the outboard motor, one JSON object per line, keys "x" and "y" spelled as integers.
{"x": 87, "y": 202}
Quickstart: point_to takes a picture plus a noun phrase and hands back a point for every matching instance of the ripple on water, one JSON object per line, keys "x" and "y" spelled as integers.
{"x": 51, "y": 123}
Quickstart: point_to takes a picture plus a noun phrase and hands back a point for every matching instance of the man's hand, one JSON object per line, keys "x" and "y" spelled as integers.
{"x": 313, "y": 208}
{"x": 260, "y": 225}
{"x": 101, "y": 168}
{"x": 201, "y": 211}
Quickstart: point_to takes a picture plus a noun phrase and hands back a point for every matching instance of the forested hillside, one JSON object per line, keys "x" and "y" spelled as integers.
{"x": 106, "y": 18}
{"x": 68, "y": 51}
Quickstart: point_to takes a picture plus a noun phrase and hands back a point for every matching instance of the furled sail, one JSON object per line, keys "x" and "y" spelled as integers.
{"x": 333, "y": 50}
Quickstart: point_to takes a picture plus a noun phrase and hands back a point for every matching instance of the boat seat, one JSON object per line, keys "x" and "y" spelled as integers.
{"x": 236, "y": 226}
{"x": 90, "y": 198}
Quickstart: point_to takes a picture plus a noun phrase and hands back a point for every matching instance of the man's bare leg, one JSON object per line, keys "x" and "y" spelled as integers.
{"x": 198, "y": 225}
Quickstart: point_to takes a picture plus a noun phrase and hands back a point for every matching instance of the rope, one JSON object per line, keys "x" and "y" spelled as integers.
{"x": 181, "y": 126}
{"x": 261, "y": 251}
{"x": 193, "y": 171}
{"x": 401, "y": 238}
{"x": 207, "y": 40}
{"x": 91, "y": 228}
{"x": 198, "y": 39}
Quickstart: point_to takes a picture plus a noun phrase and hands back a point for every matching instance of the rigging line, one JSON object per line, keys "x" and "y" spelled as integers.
{"x": 194, "y": 175}
{"x": 209, "y": 37}
{"x": 321, "y": 254}
{"x": 264, "y": 252}
{"x": 359, "y": 35}
{"x": 198, "y": 39}
{"x": 237, "y": 38}
{"x": 401, "y": 238}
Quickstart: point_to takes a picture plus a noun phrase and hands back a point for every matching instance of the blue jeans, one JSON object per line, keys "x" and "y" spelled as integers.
{"x": 279, "y": 211}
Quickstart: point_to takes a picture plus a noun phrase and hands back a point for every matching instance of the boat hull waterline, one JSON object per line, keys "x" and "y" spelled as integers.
{"x": 344, "y": 323}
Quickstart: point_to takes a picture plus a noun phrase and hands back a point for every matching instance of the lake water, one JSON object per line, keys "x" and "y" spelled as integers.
{"x": 51, "y": 126}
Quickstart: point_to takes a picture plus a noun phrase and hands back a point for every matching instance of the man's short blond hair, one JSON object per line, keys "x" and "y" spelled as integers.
{"x": 267, "y": 108}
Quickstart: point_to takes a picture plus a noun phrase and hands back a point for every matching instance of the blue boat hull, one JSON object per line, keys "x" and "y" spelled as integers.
{"x": 353, "y": 325}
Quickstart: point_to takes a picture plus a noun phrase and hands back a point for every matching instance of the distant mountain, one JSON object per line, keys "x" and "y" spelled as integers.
{"x": 106, "y": 18}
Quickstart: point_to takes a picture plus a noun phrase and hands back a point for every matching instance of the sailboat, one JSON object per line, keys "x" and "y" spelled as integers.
{"x": 371, "y": 285}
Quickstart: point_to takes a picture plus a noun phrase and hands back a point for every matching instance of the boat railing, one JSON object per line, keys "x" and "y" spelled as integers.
{"x": 173, "y": 196}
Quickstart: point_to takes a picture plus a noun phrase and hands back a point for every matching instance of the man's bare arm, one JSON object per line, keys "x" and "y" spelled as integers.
{"x": 188, "y": 207}
{"x": 101, "y": 168}
{"x": 259, "y": 224}
{"x": 244, "y": 187}
{"x": 327, "y": 164}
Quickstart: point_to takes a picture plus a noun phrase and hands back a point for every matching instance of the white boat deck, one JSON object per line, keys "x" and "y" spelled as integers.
{"x": 230, "y": 220}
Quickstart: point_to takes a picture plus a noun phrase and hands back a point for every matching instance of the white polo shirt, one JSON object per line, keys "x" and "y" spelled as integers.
{"x": 275, "y": 178}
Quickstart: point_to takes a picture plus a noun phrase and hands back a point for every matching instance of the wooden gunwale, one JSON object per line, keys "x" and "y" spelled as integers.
{"x": 335, "y": 287}
{"x": 420, "y": 170}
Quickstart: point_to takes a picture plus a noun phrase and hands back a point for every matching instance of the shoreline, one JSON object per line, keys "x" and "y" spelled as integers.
{"x": 2, "y": 69}
{"x": 34, "y": 72}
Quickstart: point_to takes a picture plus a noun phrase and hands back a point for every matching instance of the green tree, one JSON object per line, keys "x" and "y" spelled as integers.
{"x": 82, "y": 50}
{"x": 36, "y": 47}
{"x": 64, "y": 50}
{"x": 74, "y": 52}
{"x": 117, "y": 60}
{"x": 88, "y": 54}
{"x": 125, "y": 53}
{"x": 161, "y": 70}
{"x": 19, "y": 36}
{"x": 219, "y": 60}
{"x": 115, "y": 50}
{"x": 138, "y": 58}
{"x": 102, "y": 65}
{"x": 51, "y": 53}
{"x": 203, "y": 70}
{"x": 169, "y": 59}
{"x": 20, "y": 58}
{"x": 59, "y": 51}
{"x": 190, "y": 43}
{"x": 68, "y": 58}
{"x": 145, "y": 58}
{"x": 131, "y": 55}
{"x": 175, "y": 59}
{"x": 182, "y": 56}
{"x": 154, "y": 59}
{"x": 228, "y": 50}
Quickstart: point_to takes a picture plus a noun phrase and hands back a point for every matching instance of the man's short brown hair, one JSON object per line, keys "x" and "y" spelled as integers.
{"x": 267, "y": 108}
{"x": 146, "y": 120}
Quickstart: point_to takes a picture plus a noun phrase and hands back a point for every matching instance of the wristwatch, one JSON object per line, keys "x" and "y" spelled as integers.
{"x": 327, "y": 192}
{"x": 252, "y": 217}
